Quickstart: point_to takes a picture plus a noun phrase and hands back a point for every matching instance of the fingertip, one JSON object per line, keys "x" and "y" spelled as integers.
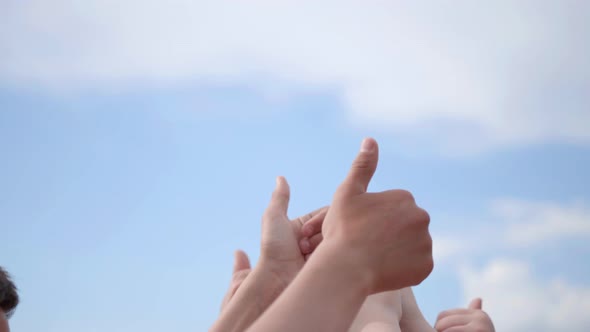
{"x": 305, "y": 246}
{"x": 282, "y": 186}
{"x": 236, "y": 260}
{"x": 241, "y": 260}
{"x": 368, "y": 145}
{"x": 281, "y": 182}
{"x": 476, "y": 303}
{"x": 362, "y": 170}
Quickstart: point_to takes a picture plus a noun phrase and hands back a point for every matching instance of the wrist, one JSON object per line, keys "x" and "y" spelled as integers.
{"x": 344, "y": 263}
{"x": 258, "y": 291}
{"x": 281, "y": 272}
{"x": 268, "y": 285}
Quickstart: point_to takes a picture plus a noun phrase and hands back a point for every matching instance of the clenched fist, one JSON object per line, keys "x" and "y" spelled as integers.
{"x": 385, "y": 234}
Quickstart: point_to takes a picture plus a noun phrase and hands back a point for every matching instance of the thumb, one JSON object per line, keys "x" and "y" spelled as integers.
{"x": 475, "y": 304}
{"x": 241, "y": 261}
{"x": 279, "y": 202}
{"x": 362, "y": 170}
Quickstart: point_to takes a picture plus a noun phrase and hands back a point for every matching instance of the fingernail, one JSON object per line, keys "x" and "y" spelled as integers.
{"x": 368, "y": 145}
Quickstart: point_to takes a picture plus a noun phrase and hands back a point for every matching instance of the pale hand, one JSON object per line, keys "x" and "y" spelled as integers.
{"x": 472, "y": 319}
{"x": 279, "y": 247}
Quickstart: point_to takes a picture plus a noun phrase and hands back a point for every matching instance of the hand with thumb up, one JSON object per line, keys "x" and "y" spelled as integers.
{"x": 384, "y": 235}
{"x": 470, "y": 319}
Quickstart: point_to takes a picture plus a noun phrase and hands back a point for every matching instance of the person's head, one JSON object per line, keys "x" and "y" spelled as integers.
{"x": 8, "y": 299}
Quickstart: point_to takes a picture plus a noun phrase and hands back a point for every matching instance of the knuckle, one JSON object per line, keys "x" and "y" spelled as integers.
{"x": 279, "y": 196}
{"x": 239, "y": 276}
{"x": 427, "y": 267}
{"x": 362, "y": 163}
{"x": 424, "y": 216}
{"x": 405, "y": 195}
{"x": 233, "y": 289}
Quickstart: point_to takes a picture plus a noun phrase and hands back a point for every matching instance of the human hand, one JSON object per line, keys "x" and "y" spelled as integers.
{"x": 472, "y": 319}
{"x": 279, "y": 238}
{"x": 240, "y": 271}
{"x": 251, "y": 291}
{"x": 384, "y": 234}
{"x": 279, "y": 250}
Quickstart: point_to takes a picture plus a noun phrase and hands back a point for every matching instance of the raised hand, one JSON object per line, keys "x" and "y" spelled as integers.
{"x": 280, "y": 256}
{"x": 251, "y": 291}
{"x": 472, "y": 319}
{"x": 240, "y": 272}
{"x": 372, "y": 242}
{"x": 385, "y": 234}
{"x": 279, "y": 249}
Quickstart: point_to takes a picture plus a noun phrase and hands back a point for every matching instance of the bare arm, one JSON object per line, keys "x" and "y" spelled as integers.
{"x": 325, "y": 296}
{"x": 254, "y": 296}
{"x": 381, "y": 327}
{"x": 373, "y": 242}
{"x": 412, "y": 319}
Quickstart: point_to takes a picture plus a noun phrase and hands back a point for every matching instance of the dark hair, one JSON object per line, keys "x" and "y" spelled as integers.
{"x": 8, "y": 293}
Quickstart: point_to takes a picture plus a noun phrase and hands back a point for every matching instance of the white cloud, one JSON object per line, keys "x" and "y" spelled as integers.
{"x": 477, "y": 76}
{"x": 515, "y": 224}
{"x": 446, "y": 247}
{"x": 538, "y": 223}
{"x": 517, "y": 301}
{"x": 517, "y": 298}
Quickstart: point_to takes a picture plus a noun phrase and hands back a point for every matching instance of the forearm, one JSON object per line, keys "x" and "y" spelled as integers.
{"x": 412, "y": 319}
{"x": 253, "y": 297}
{"x": 325, "y": 296}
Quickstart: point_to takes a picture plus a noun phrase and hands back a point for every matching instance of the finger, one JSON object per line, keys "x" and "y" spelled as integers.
{"x": 241, "y": 261}
{"x": 239, "y": 277}
{"x": 305, "y": 246}
{"x": 462, "y": 328}
{"x": 314, "y": 225}
{"x": 308, "y": 245}
{"x": 450, "y": 321}
{"x": 224, "y": 301}
{"x": 315, "y": 241}
{"x": 362, "y": 170}
{"x": 312, "y": 215}
{"x": 475, "y": 304}
{"x": 458, "y": 311}
{"x": 241, "y": 271}
{"x": 279, "y": 201}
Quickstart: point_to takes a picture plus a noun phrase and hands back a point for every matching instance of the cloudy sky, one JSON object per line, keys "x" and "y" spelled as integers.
{"x": 140, "y": 141}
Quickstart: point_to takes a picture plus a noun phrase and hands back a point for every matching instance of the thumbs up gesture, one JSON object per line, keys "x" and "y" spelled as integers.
{"x": 472, "y": 319}
{"x": 385, "y": 234}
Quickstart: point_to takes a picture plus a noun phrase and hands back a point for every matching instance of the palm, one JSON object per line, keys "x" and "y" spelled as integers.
{"x": 280, "y": 241}
{"x": 280, "y": 236}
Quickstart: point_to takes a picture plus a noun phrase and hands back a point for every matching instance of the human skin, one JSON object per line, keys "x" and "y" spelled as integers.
{"x": 382, "y": 312}
{"x": 372, "y": 242}
{"x": 280, "y": 260}
{"x": 3, "y": 323}
{"x": 470, "y": 319}
{"x": 385, "y": 311}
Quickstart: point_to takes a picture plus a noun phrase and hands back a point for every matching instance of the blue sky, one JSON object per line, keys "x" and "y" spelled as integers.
{"x": 133, "y": 167}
